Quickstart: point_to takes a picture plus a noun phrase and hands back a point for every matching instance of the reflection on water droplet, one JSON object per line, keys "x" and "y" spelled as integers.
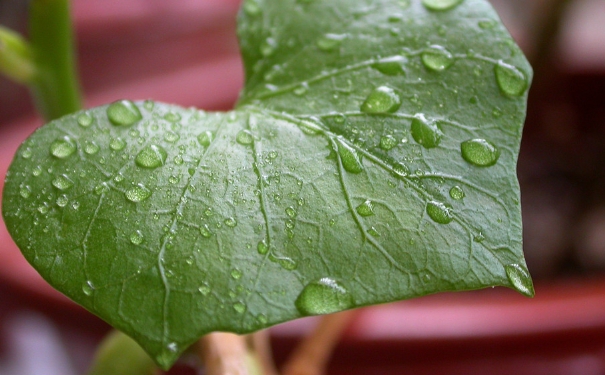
{"x": 205, "y": 138}
{"x": 84, "y": 120}
{"x": 425, "y": 132}
{"x": 171, "y": 137}
{"x": 330, "y": 42}
{"x": 91, "y": 148}
{"x": 27, "y": 153}
{"x": 117, "y": 144}
{"x": 62, "y": 182}
{"x": 88, "y": 288}
{"x": 151, "y": 157}
{"x": 373, "y": 232}
{"x": 236, "y": 274}
{"x": 290, "y": 211}
{"x": 325, "y": 296}
{"x": 440, "y": 4}
{"x": 510, "y": 79}
{"x": 230, "y": 222}
{"x": 387, "y": 142}
{"x": 366, "y": 208}
{"x": 205, "y": 231}
{"x": 136, "y": 237}
{"x": 439, "y": 212}
{"x": 437, "y": 58}
{"x": 25, "y": 191}
{"x": 391, "y": 66}
{"x": 520, "y": 279}
{"x": 239, "y": 307}
{"x": 457, "y": 193}
{"x": 262, "y": 247}
{"x": 244, "y": 137}
{"x": 62, "y": 200}
{"x": 401, "y": 170}
{"x": 138, "y": 193}
{"x": 350, "y": 158}
{"x": 382, "y": 99}
{"x": 123, "y": 113}
{"x": 480, "y": 152}
{"x": 63, "y": 147}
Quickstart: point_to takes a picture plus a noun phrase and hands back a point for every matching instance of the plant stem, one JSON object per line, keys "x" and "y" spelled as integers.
{"x": 261, "y": 346}
{"x": 312, "y": 355}
{"x": 55, "y": 87}
{"x": 118, "y": 354}
{"x": 15, "y": 57}
{"x": 224, "y": 354}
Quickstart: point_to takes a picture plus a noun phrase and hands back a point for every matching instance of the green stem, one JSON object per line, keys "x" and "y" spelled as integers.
{"x": 15, "y": 57}
{"x": 55, "y": 87}
{"x": 118, "y": 354}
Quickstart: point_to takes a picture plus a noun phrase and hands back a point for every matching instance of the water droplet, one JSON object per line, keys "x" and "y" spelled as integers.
{"x": 387, "y": 142}
{"x": 457, "y": 193}
{"x": 174, "y": 179}
{"x": 173, "y": 347}
{"x": 62, "y": 200}
{"x": 244, "y": 137}
{"x": 440, "y": 4}
{"x": 290, "y": 211}
{"x": 301, "y": 89}
{"x": 272, "y": 155}
{"x": 205, "y": 138}
{"x": 138, "y": 193}
{"x": 425, "y": 132}
{"x": 366, "y": 208}
{"x": 91, "y": 148}
{"x": 285, "y": 263}
{"x": 236, "y": 274}
{"x": 123, "y": 113}
{"x": 262, "y": 247}
{"x": 439, "y": 212}
{"x": 252, "y": 8}
{"x": 391, "y": 66}
{"x": 149, "y": 104}
{"x": 437, "y": 58}
{"x": 63, "y": 147}
{"x": 204, "y": 289}
{"x": 325, "y": 296}
{"x": 27, "y": 153}
{"x": 401, "y": 170}
{"x": 381, "y": 100}
{"x": 84, "y": 120}
{"x": 373, "y": 232}
{"x": 351, "y": 161}
{"x": 25, "y": 191}
{"x": 268, "y": 47}
{"x": 290, "y": 224}
{"x": 101, "y": 188}
{"x": 151, "y": 157}
{"x": 487, "y": 24}
{"x": 330, "y": 42}
{"x": 172, "y": 117}
{"x": 480, "y": 152}
{"x": 262, "y": 319}
{"x": 230, "y": 222}
{"x": 520, "y": 279}
{"x": 511, "y": 80}
{"x": 62, "y": 182}
{"x": 178, "y": 160}
{"x": 171, "y": 137}
{"x": 88, "y": 288}
{"x": 239, "y": 307}
{"x": 205, "y": 231}
{"x": 117, "y": 144}
{"x": 479, "y": 237}
{"x": 136, "y": 237}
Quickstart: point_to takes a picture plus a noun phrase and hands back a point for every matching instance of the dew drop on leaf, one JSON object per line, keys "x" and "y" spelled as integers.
{"x": 101, "y": 188}
{"x": 440, "y": 4}
{"x": 519, "y": 278}
{"x": 171, "y": 137}
{"x": 401, "y": 170}
{"x": 330, "y": 42}
{"x": 437, "y": 58}
{"x": 387, "y": 142}
{"x": 84, "y": 120}
{"x": 366, "y": 208}
{"x": 351, "y": 161}
{"x": 325, "y": 296}
{"x": 391, "y": 66}
{"x": 205, "y": 138}
{"x": 262, "y": 247}
{"x": 123, "y": 113}
{"x": 239, "y": 307}
{"x": 27, "y": 153}
{"x": 252, "y": 8}
{"x": 511, "y": 80}
{"x": 117, "y": 144}
{"x": 480, "y": 152}
{"x": 62, "y": 182}
{"x": 457, "y": 193}
{"x": 172, "y": 117}
{"x": 25, "y": 191}
{"x": 244, "y": 137}
{"x": 439, "y": 212}
{"x": 151, "y": 157}
{"x": 290, "y": 211}
{"x": 230, "y": 222}
{"x": 138, "y": 193}
{"x": 91, "y": 148}
{"x": 382, "y": 99}
{"x": 236, "y": 274}
{"x": 425, "y": 132}
{"x": 204, "y": 289}
{"x": 136, "y": 237}
{"x": 62, "y": 200}
{"x": 205, "y": 231}
{"x": 88, "y": 288}
{"x": 63, "y": 147}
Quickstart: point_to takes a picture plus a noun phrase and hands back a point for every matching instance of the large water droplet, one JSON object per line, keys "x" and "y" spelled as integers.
{"x": 151, "y": 157}
{"x": 351, "y": 161}
{"x": 391, "y": 66}
{"x": 62, "y": 182}
{"x": 330, "y": 42}
{"x": 84, "y": 120}
{"x": 63, "y": 147}
{"x": 123, "y": 113}
{"x": 205, "y": 231}
{"x": 244, "y": 137}
{"x": 205, "y": 138}
{"x": 440, "y": 4}
{"x": 366, "y": 208}
{"x": 511, "y": 80}
{"x": 520, "y": 279}
{"x": 382, "y": 99}
{"x": 425, "y": 132}
{"x": 62, "y": 200}
{"x": 387, "y": 142}
{"x": 325, "y": 296}
{"x": 439, "y": 212}
{"x": 136, "y": 238}
{"x": 138, "y": 193}
{"x": 91, "y": 148}
{"x": 437, "y": 58}
{"x": 25, "y": 191}
{"x": 117, "y": 144}
{"x": 457, "y": 193}
{"x": 480, "y": 152}
{"x": 88, "y": 288}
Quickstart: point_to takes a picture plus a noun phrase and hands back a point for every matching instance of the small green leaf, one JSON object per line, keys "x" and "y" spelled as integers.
{"x": 350, "y": 174}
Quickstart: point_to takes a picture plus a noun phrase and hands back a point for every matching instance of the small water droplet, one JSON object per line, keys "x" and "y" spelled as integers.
{"x": 391, "y": 66}
{"x": 205, "y": 138}
{"x": 480, "y": 152}
{"x": 244, "y": 137}
{"x": 149, "y": 104}
{"x": 37, "y": 171}
{"x": 26, "y": 153}
{"x": 151, "y": 157}
{"x": 382, "y": 99}
{"x": 285, "y": 263}
{"x": 325, "y": 296}
{"x": 239, "y": 307}
{"x": 387, "y": 142}
{"x": 272, "y": 155}
{"x": 62, "y": 182}
{"x": 439, "y": 212}
{"x": 268, "y": 47}
{"x": 178, "y": 160}
{"x": 437, "y": 58}
{"x": 520, "y": 279}
{"x": 440, "y": 4}
{"x": 62, "y": 200}
{"x": 173, "y": 347}
{"x": 205, "y": 231}
{"x": 91, "y": 148}
{"x": 123, "y": 113}
{"x": 236, "y": 274}
{"x": 174, "y": 179}
{"x": 262, "y": 319}
{"x": 487, "y": 24}
{"x": 117, "y": 144}
{"x": 457, "y": 193}
{"x": 230, "y": 222}
{"x": 63, "y": 147}
{"x": 332, "y": 222}
{"x": 401, "y": 170}
{"x": 330, "y": 42}
{"x": 204, "y": 289}
{"x": 510, "y": 79}
{"x": 84, "y": 120}
{"x": 301, "y": 89}
{"x": 479, "y": 237}
{"x": 262, "y": 247}
{"x": 25, "y": 191}
{"x": 290, "y": 224}
{"x": 172, "y": 117}
{"x": 171, "y": 137}
{"x": 136, "y": 237}
{"x": 373, "y": 232}
{"x": 366, "y": 208}
{"x": 290, "y": 211}
{"x": 88, "y": 288}
{"x": 138, "y": 193}
{"x": 350, "y": 158}
{"x": 252, "y": 8}
{"x": 425, "y": 132}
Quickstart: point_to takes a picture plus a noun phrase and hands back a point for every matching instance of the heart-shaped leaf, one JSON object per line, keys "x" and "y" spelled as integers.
{"x": 371, "y": 159}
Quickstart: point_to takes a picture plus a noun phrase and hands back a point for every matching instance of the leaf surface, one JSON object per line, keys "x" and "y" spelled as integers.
{"x": 371, "y": 158}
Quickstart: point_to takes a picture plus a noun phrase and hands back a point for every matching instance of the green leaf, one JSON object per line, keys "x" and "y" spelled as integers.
{"x": 371, "y": 159}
